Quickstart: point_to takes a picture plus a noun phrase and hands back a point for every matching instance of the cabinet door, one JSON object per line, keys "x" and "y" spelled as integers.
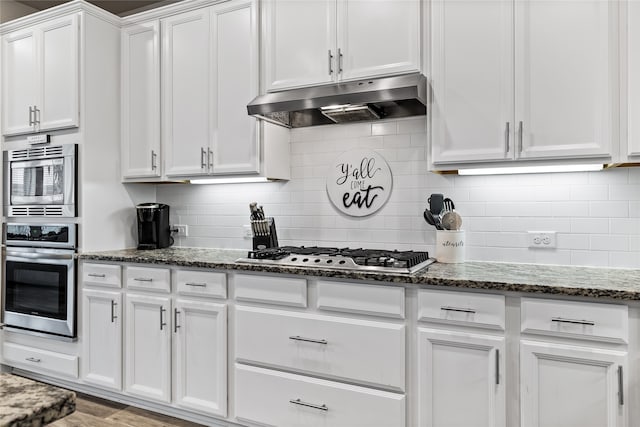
{"x": 472, "y": 81}
{"x": 59, "y": 105}
{"x": 633, "y": 77}
{"x": 461, "y": 379}
{"x": 367, "y": 52}
{"x": 185, "y": 88}
{"x": 570, "y": 386}
{"x": 148, "y": 347}
{"x": 20, "y": 81}
{"x": 565, "y": 77}
{"x": 201, "y": 356}
{"x": 141, "y": 100}
{"x": 235, "y": 83}
{"x": 102, "y": 337}
{"x": 299, "y": 43}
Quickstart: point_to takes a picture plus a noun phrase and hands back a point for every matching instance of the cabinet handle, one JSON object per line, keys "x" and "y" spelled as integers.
{"x": 175, "y": 320}
{"x": 96, "y": 275}
{"x": 198, "y": 285}
{"x": 620, "y": 386}
{"x": 299, "y": 338}
{"x": 162, "y": 322}
{"x": 203, "y": 158}
{"x": 143, "y": 279}
{"x": 506, "y": 137}
{"x": 154, "y": 165}
{"x": 36, "y": 115}
{"x": 210, "y": 157}
{"x": 339, "y": 60}
{"x": 459, "y": 310}
{"x": 330, "y": 64}
{"x": 497, "y": 366}
{"x": 573, "y": 321}
{"x": 322, "y": 407}
{"x": 31, "y": 116}
{"x": 33, "y": 359}
{"x": 113, "y": 311}
{"x": 520, "y": 137}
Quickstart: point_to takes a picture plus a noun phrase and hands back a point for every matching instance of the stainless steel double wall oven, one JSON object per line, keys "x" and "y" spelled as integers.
{"x": 39, "y": 265}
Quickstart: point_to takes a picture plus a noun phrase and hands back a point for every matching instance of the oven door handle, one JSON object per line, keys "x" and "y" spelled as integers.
{"x": 31, "y": 255}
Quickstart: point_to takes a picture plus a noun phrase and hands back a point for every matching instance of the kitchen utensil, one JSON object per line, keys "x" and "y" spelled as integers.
{"x": 451, "y": 220}
{"x": 448, "y": 204}
{"x": 432, "y": 219}
{"x": 436, "y": 203}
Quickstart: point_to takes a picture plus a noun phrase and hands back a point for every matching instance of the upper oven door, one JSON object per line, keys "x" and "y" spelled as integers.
{"x": 39, "y": 289}
{"x": 40, "y": 181}
{"x": 37, "y": 182}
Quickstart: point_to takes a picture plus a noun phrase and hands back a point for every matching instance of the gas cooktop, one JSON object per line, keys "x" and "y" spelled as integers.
{"x": 374, "y": 260}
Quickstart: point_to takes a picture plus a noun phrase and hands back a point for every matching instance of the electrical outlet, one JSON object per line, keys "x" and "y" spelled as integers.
{"x": 247, "y": 231}
{"x": 182, "y": 230}
{"x": 542, "y": 239}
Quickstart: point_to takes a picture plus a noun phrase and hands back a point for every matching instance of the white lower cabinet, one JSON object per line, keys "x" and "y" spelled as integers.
{"x": 200, "y": 356}
{"x": 148, "y": 347}
{"x": 102, "y": 338}
{"x": 283, "y": 399}
{"x": 461, "y": 379}
{"x": 572, "y": 386}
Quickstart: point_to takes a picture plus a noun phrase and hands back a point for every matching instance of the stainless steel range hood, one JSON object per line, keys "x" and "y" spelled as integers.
{"x": 371, "y": 99}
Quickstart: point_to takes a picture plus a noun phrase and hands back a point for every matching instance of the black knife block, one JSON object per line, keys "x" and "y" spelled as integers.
{"x": 264, "y": 234}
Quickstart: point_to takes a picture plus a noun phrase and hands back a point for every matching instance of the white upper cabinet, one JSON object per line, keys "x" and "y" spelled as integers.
{"x": 40, "y": 73}
{"x": 322, "y": 41}
{"x": 235, "y": 146}
{"x": 472, "y": 78}
{"x": 378, "y": 37}
{"x": 185, "y": 88}
{"x": 565, "y": 77}
{"x": 632, "y": 53}
{"x": 141, "y": 100}
{"x": 520, "y": 80}
{"x": 299, "y": 42}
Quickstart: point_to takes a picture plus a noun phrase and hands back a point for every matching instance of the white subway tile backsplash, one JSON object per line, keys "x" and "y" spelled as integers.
{"x": 384, "y": 128}
{"x": 596, "y": 214}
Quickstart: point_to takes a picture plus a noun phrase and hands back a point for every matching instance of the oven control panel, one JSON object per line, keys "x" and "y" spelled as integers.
{"x": 40, "y": 235}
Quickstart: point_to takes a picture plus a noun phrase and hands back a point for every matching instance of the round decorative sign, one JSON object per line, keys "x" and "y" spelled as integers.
{"x": 359, "y": 182}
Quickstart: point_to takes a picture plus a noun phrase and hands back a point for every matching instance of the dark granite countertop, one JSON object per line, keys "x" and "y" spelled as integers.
{"x": 595, "y": 282}
{"x": 24, "y": 402}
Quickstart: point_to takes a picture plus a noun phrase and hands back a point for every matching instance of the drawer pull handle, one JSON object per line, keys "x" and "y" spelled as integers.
{"x": 113, "y": 311}
{"x": 197, "y": 285}
{"x": 33, "y": 359}
{"x": 299, "y": 338}
{"x": 309, "y": 405}
{"x": 458, "y": 309}
{"x": 620, "y": 386}
{"x": 573, "y": 321}
{"x": 143, "y": 279}
{"x": 97, "y": 275}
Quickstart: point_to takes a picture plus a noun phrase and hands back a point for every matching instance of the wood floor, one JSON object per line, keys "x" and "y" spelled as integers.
{"x": 94, "y": 412}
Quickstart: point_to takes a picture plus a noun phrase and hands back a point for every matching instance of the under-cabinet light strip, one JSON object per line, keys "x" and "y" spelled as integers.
{"x": 531, "y": 169}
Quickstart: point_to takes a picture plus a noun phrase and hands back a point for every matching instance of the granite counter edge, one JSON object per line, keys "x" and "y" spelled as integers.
{"x": 393, "y": 279}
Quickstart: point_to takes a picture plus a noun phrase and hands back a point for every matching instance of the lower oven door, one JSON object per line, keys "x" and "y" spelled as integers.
{"x": 39, "y": 291}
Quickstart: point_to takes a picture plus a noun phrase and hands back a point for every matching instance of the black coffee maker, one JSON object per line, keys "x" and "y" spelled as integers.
{"x": 154, "y": 231}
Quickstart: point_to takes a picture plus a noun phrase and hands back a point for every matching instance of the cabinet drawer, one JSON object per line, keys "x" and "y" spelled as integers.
{"x": 369, "y": 352}
{"x": 462, "y": 308}
{"x": 357, "y": 298}
{"x": 34, "y": 359}
{"x": 149, "y": 279}
{"x": 593, "y": 321}
{"x": 102, "y": 275}
{"x": 201, "y": 283}
{"x": 271, "y": 289}
{"x": 282, "y": 399}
